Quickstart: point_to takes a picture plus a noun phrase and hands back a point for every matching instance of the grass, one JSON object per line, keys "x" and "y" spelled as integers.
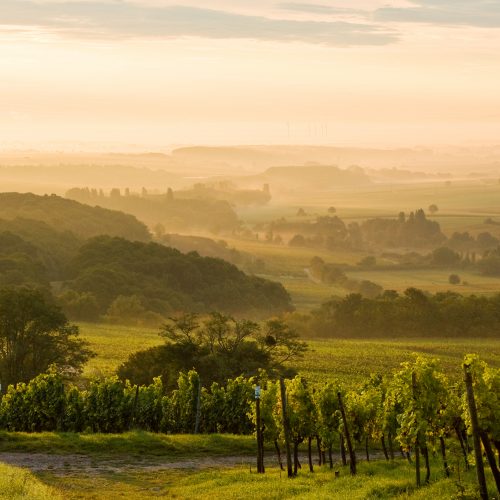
{"x": 113, "y": 344}
{"x": 375, "y": 480}
{"x": 352, "y": 360}
{"x": 433, "y": 281}
{"x": 17, "y": 483}
{"x": 130, "y": 444}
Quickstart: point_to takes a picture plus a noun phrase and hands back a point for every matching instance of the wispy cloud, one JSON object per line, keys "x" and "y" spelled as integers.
{"x": 479, "y": 13}
{"x": 317, "y": 8}
{"x": 124, "y": 19}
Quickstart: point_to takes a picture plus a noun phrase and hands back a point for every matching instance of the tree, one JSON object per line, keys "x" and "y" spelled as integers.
{"x": 445, "y": 257}
{"x": 454, "y": 279}
{"x": 35, "y": 334}
{"x": 218, "y": 348}
{"x": 433, "y": 209}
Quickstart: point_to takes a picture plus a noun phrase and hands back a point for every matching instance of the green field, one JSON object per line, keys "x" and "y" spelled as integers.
{"x": 113, "y": 344}
{"x": 289, "y": 266}
{"x": 352, "y": 361}
{"x": 349, "y": 360}
{"x": 435, "y": 280}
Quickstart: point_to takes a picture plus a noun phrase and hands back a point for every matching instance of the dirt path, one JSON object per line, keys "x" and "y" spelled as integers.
{"x": 85, "y": 464}
{"x": 71, "y": 464}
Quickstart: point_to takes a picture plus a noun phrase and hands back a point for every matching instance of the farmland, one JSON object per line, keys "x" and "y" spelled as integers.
{"x": 343, "y": 359}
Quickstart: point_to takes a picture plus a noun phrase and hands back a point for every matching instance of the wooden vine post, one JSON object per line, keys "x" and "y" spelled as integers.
{"x": 286, "y": 428}
{"x": 260, "y": 451}
{"x": 198, "y": 409}
{"x": 417, "y": 439}
{"x": 352, "y": 454}
{"x": 471, "y": 402}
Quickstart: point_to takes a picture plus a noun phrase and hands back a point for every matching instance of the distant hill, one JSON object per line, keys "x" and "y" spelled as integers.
{"x": 32, "y": 252}
{"x": 174, "y": 214}
{"x": 163, "y": 280}
{"x": 68, "y": 215}
{"x": 315, "y": 176}
{"x": 255, "y": 158}
{"x": 57, "y": 177}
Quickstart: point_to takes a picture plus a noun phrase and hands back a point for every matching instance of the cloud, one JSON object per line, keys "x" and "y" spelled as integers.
{"x": 478, "y": 13}
{"x": 124, "y": 19}
{"x": 317, "y": 8}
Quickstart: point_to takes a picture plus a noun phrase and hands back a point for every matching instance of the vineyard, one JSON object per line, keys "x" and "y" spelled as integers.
{"x": 414, "y": 413}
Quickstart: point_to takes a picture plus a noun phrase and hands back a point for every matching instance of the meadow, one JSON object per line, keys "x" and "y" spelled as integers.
{"x": 343, "y": 359}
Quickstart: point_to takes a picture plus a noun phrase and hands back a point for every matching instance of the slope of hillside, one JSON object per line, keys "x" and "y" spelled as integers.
{"x": 151, "y": 277}
{"x": 68, "y": 215}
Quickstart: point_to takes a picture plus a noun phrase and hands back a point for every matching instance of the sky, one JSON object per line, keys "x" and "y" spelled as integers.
{"x": 159, "y": 73}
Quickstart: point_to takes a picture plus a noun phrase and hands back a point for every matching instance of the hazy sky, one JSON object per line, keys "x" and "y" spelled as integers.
{"x": 160, "y": 72}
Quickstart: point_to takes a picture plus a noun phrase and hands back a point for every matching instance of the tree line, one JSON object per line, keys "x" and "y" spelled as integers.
{"x": 413, "y": 313}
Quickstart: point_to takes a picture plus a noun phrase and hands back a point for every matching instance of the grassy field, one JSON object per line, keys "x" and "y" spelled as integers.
{"x": 435, "y": 280}
{"x": 134, "y": 444}
{"x": 289, "y": 266}
{"x": 352, "y": 361}
{"x": 113, "y": 344}
{"x": 375, "y": 480}
{"x": 349, "y": 360}
{"x": 116, "y": 474}
{"x": 17, "y": 483}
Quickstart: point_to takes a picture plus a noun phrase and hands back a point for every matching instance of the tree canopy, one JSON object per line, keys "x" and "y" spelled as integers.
{"x": 35, "y": 334}
{"x": 412, "y": 313}
{"x": 168, "y": 281}
{"x": 218, "y": 348}
{"x": 68, "y": 215}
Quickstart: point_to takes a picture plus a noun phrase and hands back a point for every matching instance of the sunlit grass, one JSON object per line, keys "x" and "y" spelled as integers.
{"x": 113, "y": 344}
{"x": 378, "y": 479}
{"x": 350, "y": 360}
{"x": 17, "y": 483}
{"x": 129, "y": 444}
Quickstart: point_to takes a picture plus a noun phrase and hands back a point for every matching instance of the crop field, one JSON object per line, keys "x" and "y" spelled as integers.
{"x": 463, "y": 205}
{"x": 282, "y": 260}
{"x": 307, "y": 294}
{"x": 349, "y": 360}
{"x": 435, "y": 280}
{"x": 113, "y": 344}
{"x": 352, "y": 361}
